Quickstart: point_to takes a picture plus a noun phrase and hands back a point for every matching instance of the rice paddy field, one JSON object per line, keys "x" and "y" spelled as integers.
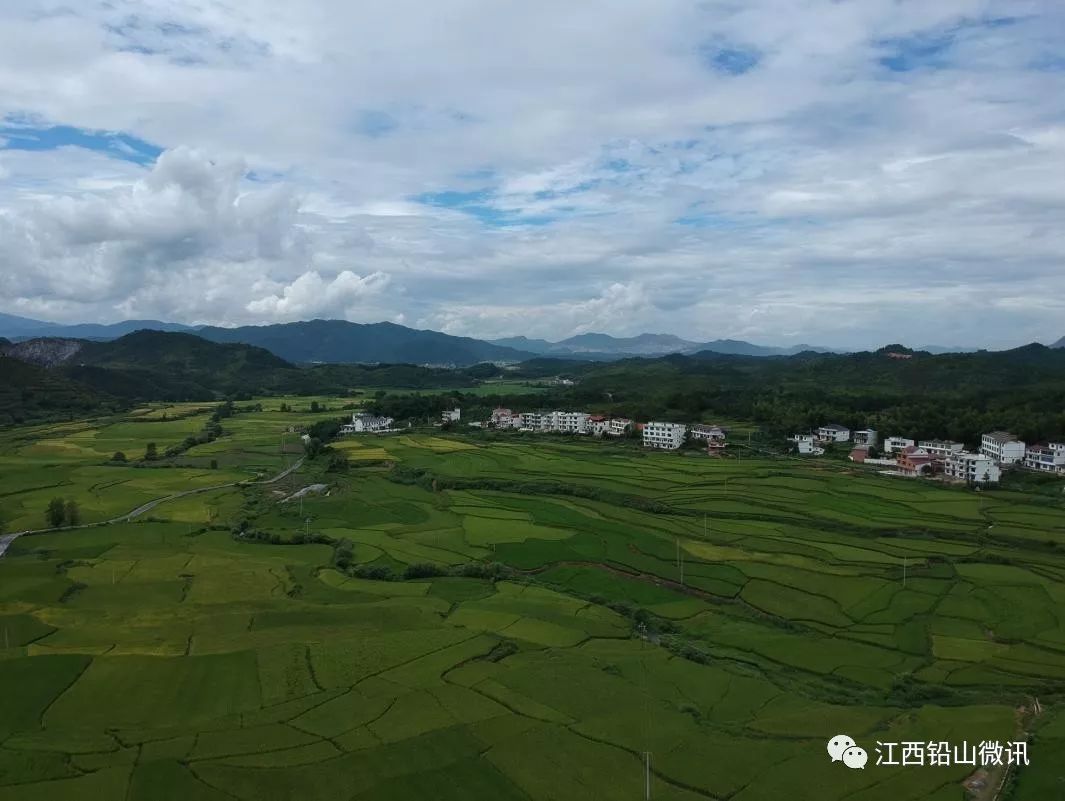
{"x": 725, "y": 617}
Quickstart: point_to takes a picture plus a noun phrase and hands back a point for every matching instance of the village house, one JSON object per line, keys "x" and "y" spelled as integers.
{"x": 865, "y": 438}
{"x": 715, "y": 436}
{"x": 941, "y": 448}
{"x": 895, "y": 444}
{"x": 913, "y": 461}
{"x": 833, "y": 432}
{"x": 664, "y": 435}
{"x": 972, "y": 468}
{"x": 598, "y": 425}
{"x": 1044, "y": 458}
{"x": 619, "y": 426}
{"x": 806, "y": 445}
{"x": 568, "y": 422}
{"x": 1003, "y": 447}
{"x": 450, "y": 415}
{"x": 707, "y": 432}
{"x": 530, "y": 421}
{"x": 502, "y": 417}
{"x": 366, "y": 424}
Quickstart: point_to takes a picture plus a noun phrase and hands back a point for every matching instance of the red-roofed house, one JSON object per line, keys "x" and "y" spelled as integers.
{"x": 914, "y": 461}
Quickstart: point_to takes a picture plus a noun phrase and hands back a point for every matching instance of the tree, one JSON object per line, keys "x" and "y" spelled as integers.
{"x": 55, "y": 513}
{"x": 118, "y": 457}
{"x": 151, "y": 453}
{"x": 338, "y": 462}
{"x": 73, "y": 513}
{"x": 214, "y": 464}
{"x": 314, "y": 406}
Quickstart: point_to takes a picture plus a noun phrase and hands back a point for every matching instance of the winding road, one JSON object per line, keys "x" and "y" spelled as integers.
{"x": 7, "y": 539}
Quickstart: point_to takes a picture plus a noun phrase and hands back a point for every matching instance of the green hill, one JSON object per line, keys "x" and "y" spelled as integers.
{"x": 29, "y": 393}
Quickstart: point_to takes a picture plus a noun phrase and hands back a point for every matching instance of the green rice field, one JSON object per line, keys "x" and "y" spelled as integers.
{"x": 562, "y": 610}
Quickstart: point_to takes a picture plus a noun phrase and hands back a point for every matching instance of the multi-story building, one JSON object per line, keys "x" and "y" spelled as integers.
{"x": 664, "y": 435}
{"x": 807, "y": 446}
{"x": 1002, "y": 446}
{"x": 568, "y": 422}
{"x": 865, "y": 438}
{"x": 701, "y": 431}
{"x": 450, "y": 415}
{"x": 502, "y": 417}
{"x": 894, "y": 444}
{"x": 366, "y": 424}
{"x": 715, "y": 436}
{"x": 619, "y": 426}
{"x": 941, "y": 448}
{"x": 913, "y": 461}
{"x": 972, "y": 468}
{"x": 598, "y": 425}
{"x": 833, "y": 432}
{"x": 1045, "y": 458}
{"x": 530, "y": 421}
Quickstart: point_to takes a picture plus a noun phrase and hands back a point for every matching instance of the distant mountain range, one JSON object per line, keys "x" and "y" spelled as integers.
{"x": 342, "y": 342}
{"x": 13, "y": 327}
{"x": 599, "y": 347}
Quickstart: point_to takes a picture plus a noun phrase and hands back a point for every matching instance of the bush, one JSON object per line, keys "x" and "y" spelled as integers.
{"x": 119, "y": 457}
{"x": 422, "y": 570}
{"x": 374, "y": 573}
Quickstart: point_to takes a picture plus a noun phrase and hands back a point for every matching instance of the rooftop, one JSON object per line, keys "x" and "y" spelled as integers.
{"x": 1001, "y": 436}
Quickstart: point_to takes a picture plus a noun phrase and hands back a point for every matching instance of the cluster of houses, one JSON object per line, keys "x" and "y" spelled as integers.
{"x": 998, "y": 449}
{"x": 655, "y": 434}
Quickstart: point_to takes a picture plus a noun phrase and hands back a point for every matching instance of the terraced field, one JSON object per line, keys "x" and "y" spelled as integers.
{"x": 725, "y": 616}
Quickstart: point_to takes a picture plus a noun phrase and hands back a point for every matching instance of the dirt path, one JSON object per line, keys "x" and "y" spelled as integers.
{"x": 7, "y": 539}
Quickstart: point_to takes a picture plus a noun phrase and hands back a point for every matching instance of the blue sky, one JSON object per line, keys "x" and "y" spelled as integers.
{"x": 848, "y": 174}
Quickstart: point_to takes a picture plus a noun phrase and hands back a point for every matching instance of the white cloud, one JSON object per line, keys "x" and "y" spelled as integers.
{"x": 820, "y": 195}
{"x": 311, "y": 295}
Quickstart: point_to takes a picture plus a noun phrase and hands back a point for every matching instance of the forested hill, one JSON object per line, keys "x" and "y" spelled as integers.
{"x": 957, "y": 395}
{"x": 50, "y": 379}
{"x": 29, "y": 393}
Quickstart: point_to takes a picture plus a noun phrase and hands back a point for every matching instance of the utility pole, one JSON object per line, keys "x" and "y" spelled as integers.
{"x": 904, "y": 572}
{"x": 647, "y": 776}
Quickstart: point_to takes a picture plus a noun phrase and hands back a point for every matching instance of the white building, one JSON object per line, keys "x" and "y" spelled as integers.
{"x": 807, "y": 447}
{"x": 664, "y": 435}
{"x": 1045, "y": 458}
{"x": 366, "y": 424}
{"x": 972, "y": 468}
{"x": 450, "y": 415}
{"x": 941, "y": 448}
{"x": 569, "y": 422}
{"x": 619, "y": 426}
{"x": 833, "y": 432}
{"x": 530, "y": 421}
{"x": 598, "y": 425}
{"x": 1003, "y": 447}
{"x": 865, "y": 438}
{"x": 893, "y": 444}
{"x": 503, "y": 417}
{"x": 715, "y": 436}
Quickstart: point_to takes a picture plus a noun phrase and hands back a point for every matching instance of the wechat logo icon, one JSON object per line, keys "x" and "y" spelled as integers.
{"x": 843, "y": 749}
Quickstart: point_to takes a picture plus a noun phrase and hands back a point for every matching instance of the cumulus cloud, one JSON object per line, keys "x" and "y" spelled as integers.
{"x": 833, "y": 174}
{"x": 312, "y": 295}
